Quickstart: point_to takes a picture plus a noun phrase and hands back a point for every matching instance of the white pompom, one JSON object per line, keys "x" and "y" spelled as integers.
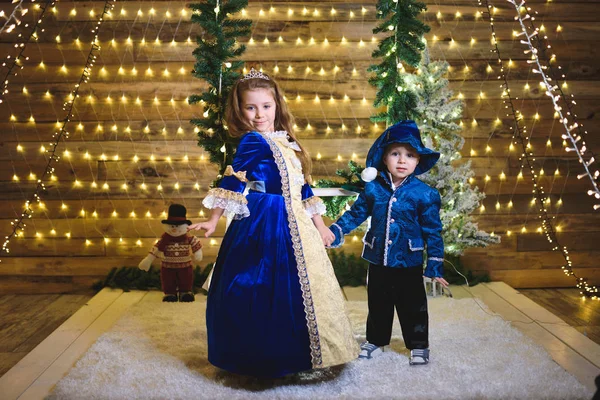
{"x": 368, "y": 174}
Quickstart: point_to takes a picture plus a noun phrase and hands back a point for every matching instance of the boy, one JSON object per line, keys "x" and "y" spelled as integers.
{"x": 404, "y": 217}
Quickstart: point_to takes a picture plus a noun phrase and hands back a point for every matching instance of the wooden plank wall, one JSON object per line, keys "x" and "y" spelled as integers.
{"x": 131, "y": 143}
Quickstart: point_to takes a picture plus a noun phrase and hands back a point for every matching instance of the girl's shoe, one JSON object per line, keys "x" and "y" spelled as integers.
{"x": 419, "y": 357}
{"x": 369, "y": 350}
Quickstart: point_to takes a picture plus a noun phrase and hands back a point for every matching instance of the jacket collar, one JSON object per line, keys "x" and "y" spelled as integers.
{"x": 387, "y": 178}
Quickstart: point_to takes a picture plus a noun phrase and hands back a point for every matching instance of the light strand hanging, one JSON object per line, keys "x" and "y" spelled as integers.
{"x": 13, "y": 62}
{"x": 527, "y": 157}
{"x": 552, "y": 92}
{"x": 18, "y": 225}
{"x": 13, "y": 20}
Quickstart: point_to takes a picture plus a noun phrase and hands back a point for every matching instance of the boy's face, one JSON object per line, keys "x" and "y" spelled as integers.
{"x": 401, "y": 160}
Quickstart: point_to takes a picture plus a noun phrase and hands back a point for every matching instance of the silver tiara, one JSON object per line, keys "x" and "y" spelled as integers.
{"x": 254, "y": 74}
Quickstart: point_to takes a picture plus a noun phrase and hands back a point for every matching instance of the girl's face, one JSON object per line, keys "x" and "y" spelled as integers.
{"x": 401, "y": 161}
{"x": 258, "y": 107}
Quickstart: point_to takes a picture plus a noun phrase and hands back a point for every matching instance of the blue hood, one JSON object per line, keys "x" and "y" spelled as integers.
{"x": 403, "y": 132}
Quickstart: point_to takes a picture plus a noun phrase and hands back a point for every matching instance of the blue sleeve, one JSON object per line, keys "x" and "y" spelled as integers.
{"x": 228, "y": 196}
{"x": 251, "y": 150}
{"x": 356, "y": 215}
{"x": 431, "y": 229}
{"x": 307, "y": 192}
{"x": 313, "y": 205}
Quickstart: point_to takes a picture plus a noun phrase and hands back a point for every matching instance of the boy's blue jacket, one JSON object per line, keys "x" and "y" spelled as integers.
{"x": 402, "y": 222}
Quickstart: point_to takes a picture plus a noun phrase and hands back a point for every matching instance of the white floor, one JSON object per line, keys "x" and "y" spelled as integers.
{"x": 35, "y": 375}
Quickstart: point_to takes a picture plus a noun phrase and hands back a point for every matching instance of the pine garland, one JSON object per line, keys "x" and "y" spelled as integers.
{"x": 215, "y": 64}
{"x": 133, "y": 278}
{"x": 402, "y": 47}
{"x": 351, "y": 181}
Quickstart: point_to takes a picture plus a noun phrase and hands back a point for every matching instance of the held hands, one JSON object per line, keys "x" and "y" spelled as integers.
{"x": 208, "y": 226}
{"x": 327, "y": 236}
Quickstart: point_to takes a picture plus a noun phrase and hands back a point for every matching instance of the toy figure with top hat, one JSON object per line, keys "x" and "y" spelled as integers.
{"x": 177, "y": 251}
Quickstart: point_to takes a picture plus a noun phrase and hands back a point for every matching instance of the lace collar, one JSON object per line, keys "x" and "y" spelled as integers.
{"x": 281, "y": 135}
{"x": 274, "y": 135}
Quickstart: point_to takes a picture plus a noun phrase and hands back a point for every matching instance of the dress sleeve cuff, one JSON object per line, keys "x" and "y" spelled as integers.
{"x": 339, "y": 236}
{"x": 234, "y": 203}
{"x": 435, "y": 267}
{"x": 314, "y": 205}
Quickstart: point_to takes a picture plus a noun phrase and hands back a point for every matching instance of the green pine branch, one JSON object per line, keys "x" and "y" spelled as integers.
{"x": 350, "y": 181}
{"x": 217, "y": 63}
{"x": 402, "y": 47}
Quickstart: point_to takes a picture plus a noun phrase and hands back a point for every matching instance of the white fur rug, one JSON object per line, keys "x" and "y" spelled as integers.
{"x": 158, "y": 351}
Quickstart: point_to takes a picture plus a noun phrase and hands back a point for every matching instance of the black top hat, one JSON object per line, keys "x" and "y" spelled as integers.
{"x": 176, "y": 216}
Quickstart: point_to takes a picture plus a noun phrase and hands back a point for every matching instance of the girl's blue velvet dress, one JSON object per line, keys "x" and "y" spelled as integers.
{"x": 274, "y": 306}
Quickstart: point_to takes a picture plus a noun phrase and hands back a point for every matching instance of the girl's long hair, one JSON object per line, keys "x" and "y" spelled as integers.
{"x": 238, "y": 125}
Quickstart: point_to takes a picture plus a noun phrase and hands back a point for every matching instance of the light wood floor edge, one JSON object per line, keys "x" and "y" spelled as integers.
{"x": 25, "y": 373}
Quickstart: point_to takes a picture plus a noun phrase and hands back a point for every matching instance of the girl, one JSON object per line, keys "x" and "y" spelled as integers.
{"x": 274, "y": 306}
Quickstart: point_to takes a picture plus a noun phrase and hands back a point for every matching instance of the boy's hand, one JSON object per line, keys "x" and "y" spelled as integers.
{"x": 441, "y": 281}
{"x": 208, "y": 226}
{"x": 327, "y": 236}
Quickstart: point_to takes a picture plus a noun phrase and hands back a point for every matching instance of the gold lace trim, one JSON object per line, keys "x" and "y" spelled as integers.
{"x": 228, "y": 195}
{"x": 241, "y": 175}
{"x": 309, "y": 309}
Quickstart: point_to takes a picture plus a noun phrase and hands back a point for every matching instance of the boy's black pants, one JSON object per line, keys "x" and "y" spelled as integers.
{"x": 403, "y": 288}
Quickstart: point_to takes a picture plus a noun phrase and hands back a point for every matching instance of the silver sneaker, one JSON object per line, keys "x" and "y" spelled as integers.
{"x": 369, "y": 350}
{"x": 419, "y": 357}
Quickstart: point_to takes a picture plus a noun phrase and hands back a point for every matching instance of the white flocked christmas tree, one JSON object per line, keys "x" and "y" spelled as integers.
{"x": 437, "y": 115}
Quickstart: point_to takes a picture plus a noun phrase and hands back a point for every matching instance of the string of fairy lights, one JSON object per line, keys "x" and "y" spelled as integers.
{"x": 177, "y": 129}
{"x": 542, "y": 46}
{"x": 62, "y": 134}
{"x": 527, "y": 158}
{"x": 316, "y": 97}
{"x": 316, "y": 100}
{"x": 14, "y": 63}
{"x": 189, "y": 169}
{"x": 68, "y": 155}
{"x": 541, "y": 50}
{"x": 14, "y": 19}
{"x": 553, "y": 91}
{"x": 470, "y": 129}
{"x": 474, "y": 129}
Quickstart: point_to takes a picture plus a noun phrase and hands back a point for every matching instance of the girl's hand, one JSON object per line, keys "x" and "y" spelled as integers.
{"x": 441, "y": 281}
{"x": 327, "y": 236}
{"x": 208, "y": 226}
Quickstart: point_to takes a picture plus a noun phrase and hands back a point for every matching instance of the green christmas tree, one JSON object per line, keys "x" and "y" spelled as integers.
{"x": 215, "y": 64}
{"x": 402, "y": 47}
{"x": 437, "y": 115}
